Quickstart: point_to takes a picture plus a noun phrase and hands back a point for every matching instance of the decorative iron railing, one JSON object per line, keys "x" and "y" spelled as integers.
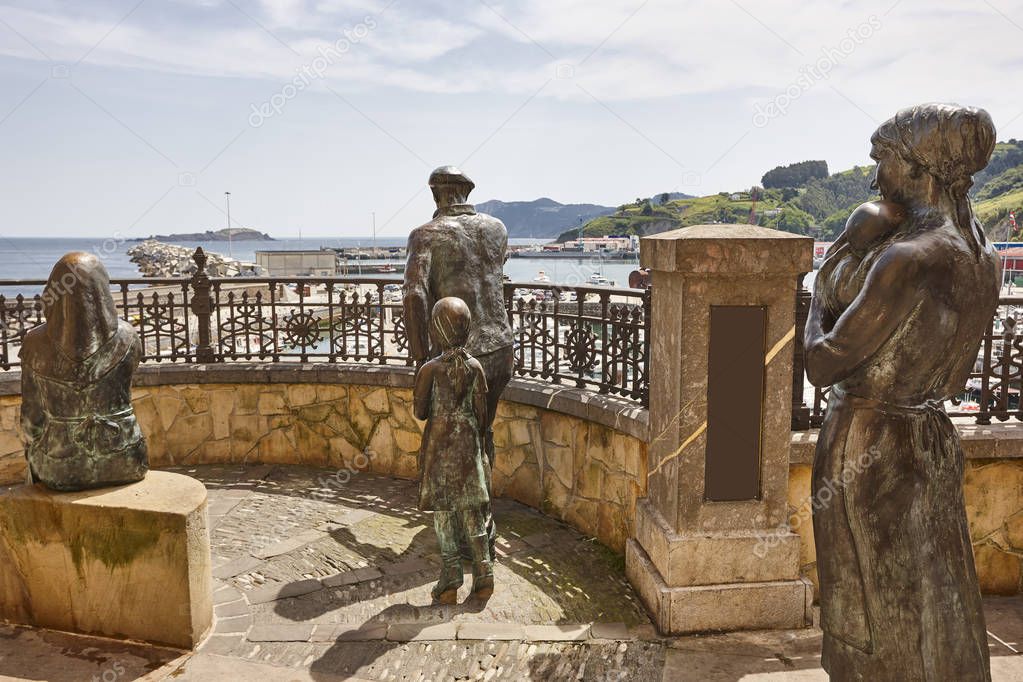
{"x": 589, "y": 337}
{"x": 596, "y": 338}
{"x": 592, "y": 337}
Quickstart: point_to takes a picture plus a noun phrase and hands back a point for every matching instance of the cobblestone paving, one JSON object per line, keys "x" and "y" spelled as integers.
{"x": 319, "y": 581}
{"x": 332, "y": 573}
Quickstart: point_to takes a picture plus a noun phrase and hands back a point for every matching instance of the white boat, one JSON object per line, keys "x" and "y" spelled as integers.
{"x": 541, "y": 277}
{"x": 598, "y": 280}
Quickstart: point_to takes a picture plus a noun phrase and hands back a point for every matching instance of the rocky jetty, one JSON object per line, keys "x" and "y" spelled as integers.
{"x": 156, "y": 259}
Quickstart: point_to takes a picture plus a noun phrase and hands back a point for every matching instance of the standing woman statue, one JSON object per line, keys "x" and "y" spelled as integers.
{"x": 76, "y": 411}
{"x": 898, "y": 312}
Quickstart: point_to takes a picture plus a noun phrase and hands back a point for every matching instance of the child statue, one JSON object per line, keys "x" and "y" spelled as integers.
{"x": 76, "y": 413}
{"x": 451, "y": 395}
{"x": 871, "y": 225}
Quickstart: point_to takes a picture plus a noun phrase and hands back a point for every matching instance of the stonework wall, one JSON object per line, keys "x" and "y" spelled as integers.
{"x": 12, "y": 458}
{"x": 994, "y": 509}
{"x": 582, "y": 472}
{"x": 572, "y": 468}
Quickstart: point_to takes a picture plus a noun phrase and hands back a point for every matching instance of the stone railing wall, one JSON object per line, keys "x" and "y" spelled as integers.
{"x": 577, "y": 456}
{"x": 992, "y": 487}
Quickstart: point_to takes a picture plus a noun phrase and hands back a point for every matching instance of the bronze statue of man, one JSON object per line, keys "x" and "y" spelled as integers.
{"x": 899, "y": 309}
{"x": 76, "y": 411}
{"x": 461, "y": 253}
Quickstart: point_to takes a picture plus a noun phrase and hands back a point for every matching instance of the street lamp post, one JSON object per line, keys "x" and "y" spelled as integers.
{"x": 230, "y": 249}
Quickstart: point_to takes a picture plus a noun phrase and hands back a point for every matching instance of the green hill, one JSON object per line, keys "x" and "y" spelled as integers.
{"x": 998, "y": 189}
{"x": 809, "y": 209}
{"x": 819, "y": 206}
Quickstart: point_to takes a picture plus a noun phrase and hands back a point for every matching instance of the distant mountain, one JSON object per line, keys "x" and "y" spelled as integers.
{"x": 542, "y": 218}
{"x": 241, "y": 234}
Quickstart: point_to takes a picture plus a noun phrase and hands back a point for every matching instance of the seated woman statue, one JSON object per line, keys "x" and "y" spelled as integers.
{"x": 76, "y": 411}
{"x": 451, "y": 394}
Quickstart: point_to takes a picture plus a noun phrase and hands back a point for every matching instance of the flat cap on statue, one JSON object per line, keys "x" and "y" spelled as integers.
{"x": 450, "y": 175}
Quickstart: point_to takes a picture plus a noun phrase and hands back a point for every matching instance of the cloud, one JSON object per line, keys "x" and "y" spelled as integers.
{"x": 618, "y": 50}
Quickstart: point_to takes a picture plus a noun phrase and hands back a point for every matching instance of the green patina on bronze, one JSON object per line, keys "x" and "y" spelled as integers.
{"x": 451, "y": 395}
{"x": 76, "y": 409}
{"x": 460, "y": 254}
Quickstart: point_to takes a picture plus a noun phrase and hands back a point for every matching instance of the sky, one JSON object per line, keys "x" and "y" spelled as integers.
{"x": 133, "y": 117}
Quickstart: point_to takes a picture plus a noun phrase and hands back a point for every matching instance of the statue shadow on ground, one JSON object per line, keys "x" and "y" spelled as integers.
{"x": 562, "y": 570}
{"x": 559, "y": 573}
{"x": 353, "y": 657}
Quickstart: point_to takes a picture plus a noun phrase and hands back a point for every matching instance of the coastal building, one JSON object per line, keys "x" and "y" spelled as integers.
{"x": 1012, "y": 264}
{"x": 596, "y": 244}
{"x": 297, "y": 263}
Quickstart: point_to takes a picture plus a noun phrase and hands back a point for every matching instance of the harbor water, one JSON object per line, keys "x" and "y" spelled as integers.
{"x": 32, "y": 258}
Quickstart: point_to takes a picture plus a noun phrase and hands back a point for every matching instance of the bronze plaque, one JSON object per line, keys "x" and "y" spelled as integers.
{"x": 735, "y": 402}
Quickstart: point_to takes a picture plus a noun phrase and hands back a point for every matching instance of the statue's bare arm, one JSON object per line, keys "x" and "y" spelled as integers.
{"x": 888, "y": 296}
{"x": 416, "y": 302}
{"x": 423, "y": 392}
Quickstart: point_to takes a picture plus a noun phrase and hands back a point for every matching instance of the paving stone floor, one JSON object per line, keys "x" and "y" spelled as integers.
{"x": 321, "y": 575}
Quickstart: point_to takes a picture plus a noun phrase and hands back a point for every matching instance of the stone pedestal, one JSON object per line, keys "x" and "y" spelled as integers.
{"x": 712, "y": 551}
{"x": 131, "y": 562}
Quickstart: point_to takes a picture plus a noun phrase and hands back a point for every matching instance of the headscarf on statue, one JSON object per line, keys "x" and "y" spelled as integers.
{"x": 81, "y": 319}
{"x": 950, "y": 143}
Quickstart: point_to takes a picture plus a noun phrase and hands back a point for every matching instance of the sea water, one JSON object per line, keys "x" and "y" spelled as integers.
{"x": 31, "y": 258}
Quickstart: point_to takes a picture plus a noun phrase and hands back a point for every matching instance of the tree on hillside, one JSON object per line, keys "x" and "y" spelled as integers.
{"x": 648, "y": 209}
{"x": 665, "y": 198}
{"x": 794, "y": 175}
{"x": 823, "y": 197}
{"x": 1007, "y": 155}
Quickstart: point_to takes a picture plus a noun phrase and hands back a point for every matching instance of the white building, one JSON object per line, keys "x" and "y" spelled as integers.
{"x": 595, "y": 244}
{"x": 297, "y": 263}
